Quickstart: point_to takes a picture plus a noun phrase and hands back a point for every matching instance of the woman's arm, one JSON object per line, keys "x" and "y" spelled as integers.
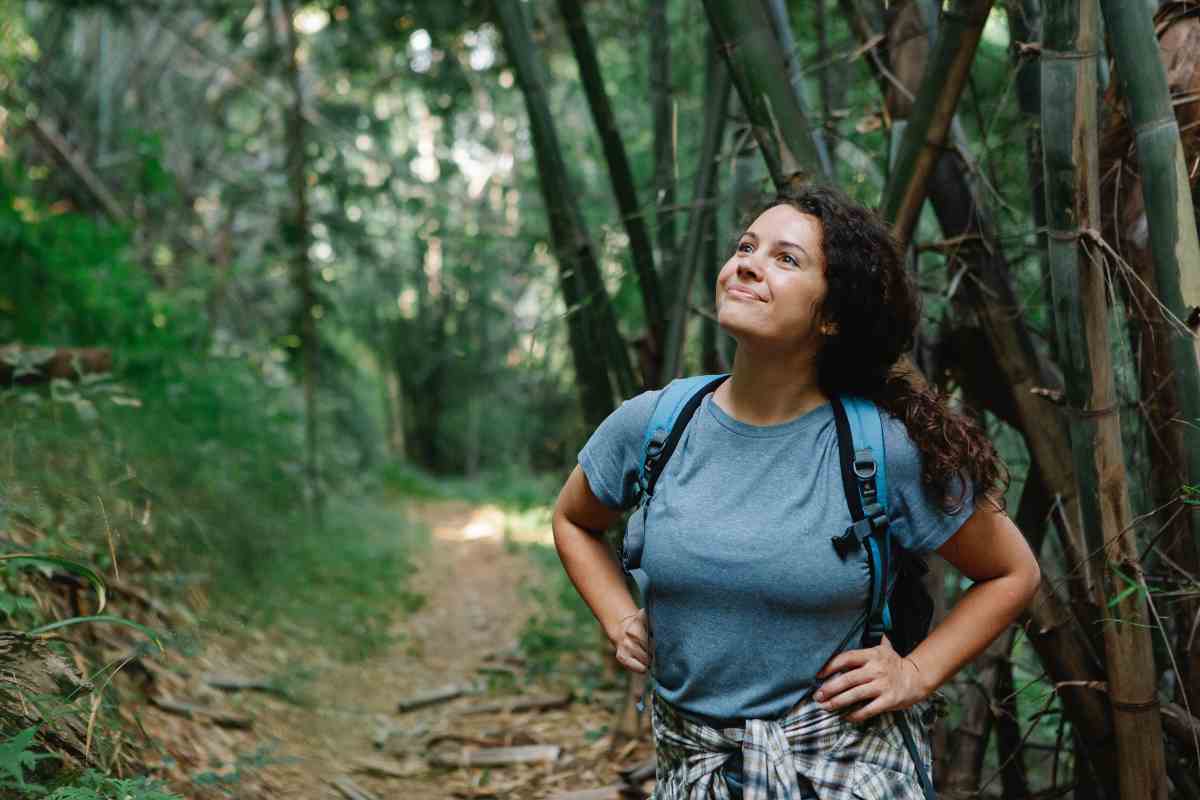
{"x": 579, "y": 518}
{"x": 989, "y": 550}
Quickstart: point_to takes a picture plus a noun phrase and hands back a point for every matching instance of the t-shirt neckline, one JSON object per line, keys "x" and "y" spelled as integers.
{"x": 786, "y": 428}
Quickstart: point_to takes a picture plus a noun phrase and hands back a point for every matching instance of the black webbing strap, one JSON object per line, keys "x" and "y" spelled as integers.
{"x": 846, "y": 459}
{"x": 657, "y": 459}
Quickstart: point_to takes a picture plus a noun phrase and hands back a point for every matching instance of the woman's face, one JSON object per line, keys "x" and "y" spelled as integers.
{"x": 771, "y": 289}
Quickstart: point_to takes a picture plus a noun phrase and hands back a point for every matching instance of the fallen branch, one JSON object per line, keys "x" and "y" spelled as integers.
{"x": 382, "y": 767}
{"x": 235, "y": 683}
{"x": 617, "y": 791}
{"x": 522, "y": 703}
{"x": 224, "y": 719}
{"x": 350, "y": 789}
{"x": 497, "y": 756}
{"x": 443, "y": 695}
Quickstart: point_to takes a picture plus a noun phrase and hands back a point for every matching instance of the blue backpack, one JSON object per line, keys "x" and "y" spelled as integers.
{"x": 895, "y": 574}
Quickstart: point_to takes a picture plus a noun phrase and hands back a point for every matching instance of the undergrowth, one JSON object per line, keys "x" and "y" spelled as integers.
{"x": 517, "y": 489}
{"x": 192, "y": 485}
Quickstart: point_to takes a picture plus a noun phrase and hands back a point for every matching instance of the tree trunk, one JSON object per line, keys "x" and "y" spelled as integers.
{"x": 35, "y": 686}
{"x": 702, "y": 220}
{"x": 758, "y": 68}
{"x": 819, "y": 22}
{"x": 945, "y": 76}
{"x": 1078, "y": 279}
{"x": 619, "y": 173}
{"x": 591, "y": 327}
{"x": 716, "y": 234}
{"x": 296, "y": 236}
{"x": 663, "y": 108}
{"x": 969, "y": 741}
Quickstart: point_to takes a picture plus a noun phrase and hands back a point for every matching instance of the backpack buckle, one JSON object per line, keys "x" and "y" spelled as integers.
{"x": 876, "y": 516}
{"x": 845, "y": 544}
{"x": 875, "y": 520}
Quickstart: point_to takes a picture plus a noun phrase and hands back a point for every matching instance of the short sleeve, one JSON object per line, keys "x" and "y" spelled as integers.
{"x": 610, "y": 457}
{"x": 925, "y": 524}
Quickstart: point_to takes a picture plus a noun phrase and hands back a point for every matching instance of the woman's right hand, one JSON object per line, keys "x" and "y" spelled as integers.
{"x": 632, "y": 641}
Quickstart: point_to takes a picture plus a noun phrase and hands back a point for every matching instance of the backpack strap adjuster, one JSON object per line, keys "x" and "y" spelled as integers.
{"x": 873, "y": 523}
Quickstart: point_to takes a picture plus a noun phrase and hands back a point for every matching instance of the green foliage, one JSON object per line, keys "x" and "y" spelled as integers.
{"x": 16, "y": 757}
{"x": 509, "y": 488}
{"x": 73, "y": 567}
{"x": 93, "y": 785}
{"x": 67, "y": 277}
{"x": 562, "y": 630}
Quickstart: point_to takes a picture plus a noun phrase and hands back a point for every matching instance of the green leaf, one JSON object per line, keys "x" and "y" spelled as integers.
{"x": 1128, "y": 590}
{"x": 1131, "y": 586}
{"x": 63, "y": 623}
{"x": 75, "y": 567}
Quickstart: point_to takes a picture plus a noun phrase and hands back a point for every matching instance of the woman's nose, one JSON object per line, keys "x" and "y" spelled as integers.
{"x": 747, "y": 266}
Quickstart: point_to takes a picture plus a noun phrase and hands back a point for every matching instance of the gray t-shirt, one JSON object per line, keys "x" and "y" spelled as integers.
{"x": 746, "y": 597}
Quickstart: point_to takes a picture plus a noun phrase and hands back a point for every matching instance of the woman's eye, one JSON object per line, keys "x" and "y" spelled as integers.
{"x": 745, "y": 247}
{"x": 790, "y": 260}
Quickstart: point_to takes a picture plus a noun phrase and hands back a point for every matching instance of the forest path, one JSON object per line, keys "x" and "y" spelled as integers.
{"x": 474, "y": 582}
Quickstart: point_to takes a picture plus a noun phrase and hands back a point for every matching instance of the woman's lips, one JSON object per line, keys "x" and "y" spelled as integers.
{"x": 737, "y": 291}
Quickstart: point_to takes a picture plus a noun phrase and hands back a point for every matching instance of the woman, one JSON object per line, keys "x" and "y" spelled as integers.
{"x": 745, "y": 597}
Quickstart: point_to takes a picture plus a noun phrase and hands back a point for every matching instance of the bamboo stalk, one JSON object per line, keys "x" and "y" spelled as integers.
{"x": 1071, "y": 43}
{"x": 758, "y": 70}
{"x": 1169, "y": 211}
{"x": 596, "y": 346}
{"x": 777, "y": 12}
{"x": 933, "y": 110}
{"x": 663, "y": 110}
{"x": 702, "y": 219}
{"x": 297, "y": 236}
{"x": 619, "y": 172}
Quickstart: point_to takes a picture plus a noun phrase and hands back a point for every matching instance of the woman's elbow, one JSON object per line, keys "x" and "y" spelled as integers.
{"x": 1031, "y": 574}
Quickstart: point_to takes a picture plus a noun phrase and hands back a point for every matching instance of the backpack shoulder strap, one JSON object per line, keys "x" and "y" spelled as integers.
{"x": 672, "y": 412}
{"x": 864, "y": 481}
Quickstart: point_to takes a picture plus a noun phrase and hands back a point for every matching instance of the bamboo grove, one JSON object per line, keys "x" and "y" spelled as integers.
{"x": 503, "y": 217}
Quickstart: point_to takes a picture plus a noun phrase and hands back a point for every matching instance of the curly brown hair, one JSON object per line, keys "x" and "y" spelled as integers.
{"x": 875, "y": 307}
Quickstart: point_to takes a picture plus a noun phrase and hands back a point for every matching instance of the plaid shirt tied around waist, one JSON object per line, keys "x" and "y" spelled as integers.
{"x": 841, "y": 759}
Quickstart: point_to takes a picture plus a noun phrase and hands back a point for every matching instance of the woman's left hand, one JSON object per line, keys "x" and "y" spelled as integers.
{"x": 876, "y": 676}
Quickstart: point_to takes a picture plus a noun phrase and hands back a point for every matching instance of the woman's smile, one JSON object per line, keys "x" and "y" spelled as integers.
{"x": 742, "y": 293}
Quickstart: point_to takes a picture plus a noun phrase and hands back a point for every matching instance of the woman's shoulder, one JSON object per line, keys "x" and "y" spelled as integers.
{"x": 628, "y": 421}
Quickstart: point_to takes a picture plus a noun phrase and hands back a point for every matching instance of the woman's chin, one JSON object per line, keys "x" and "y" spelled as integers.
{"x": 735, "y": 319}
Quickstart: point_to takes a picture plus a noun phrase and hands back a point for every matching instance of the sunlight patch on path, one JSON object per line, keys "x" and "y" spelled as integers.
{"x": 491, "y": 521}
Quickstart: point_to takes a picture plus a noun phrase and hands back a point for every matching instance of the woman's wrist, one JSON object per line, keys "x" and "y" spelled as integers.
{"x": 615, "y": 629}
{"x": 919, "y": 678}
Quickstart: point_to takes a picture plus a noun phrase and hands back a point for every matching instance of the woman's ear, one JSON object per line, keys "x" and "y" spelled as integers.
{"x": 828, "y": 328}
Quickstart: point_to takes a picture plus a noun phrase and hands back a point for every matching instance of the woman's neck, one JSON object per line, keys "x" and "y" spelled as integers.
{"x": 769, "y": 387}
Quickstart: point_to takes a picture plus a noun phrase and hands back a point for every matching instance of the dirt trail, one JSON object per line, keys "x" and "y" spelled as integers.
{"x": 475, "y": 606}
